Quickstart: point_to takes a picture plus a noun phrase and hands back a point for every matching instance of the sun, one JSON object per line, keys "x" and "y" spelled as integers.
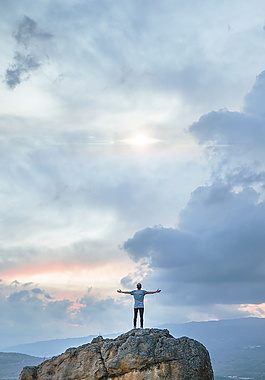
{"x": 140, "y": 140}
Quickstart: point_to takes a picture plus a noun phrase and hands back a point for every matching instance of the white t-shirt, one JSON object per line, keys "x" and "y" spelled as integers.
{"x": 138, "y": 297}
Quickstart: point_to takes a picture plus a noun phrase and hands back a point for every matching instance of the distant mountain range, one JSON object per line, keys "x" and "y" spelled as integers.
{"x": 11, "y": 364}
{"x": 236, "y": 346}
{"x": 53, "y": 347}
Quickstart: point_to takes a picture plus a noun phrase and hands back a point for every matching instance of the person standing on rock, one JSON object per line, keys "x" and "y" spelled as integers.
{"x": 138, "y": 295}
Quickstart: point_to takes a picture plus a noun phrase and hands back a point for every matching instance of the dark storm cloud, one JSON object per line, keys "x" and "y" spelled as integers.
{"x": 216, "y": 254}
{"x": 32, "y": 49}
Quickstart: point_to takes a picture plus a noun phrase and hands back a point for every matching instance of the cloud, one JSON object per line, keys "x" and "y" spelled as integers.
{"x": 218, "y": 246}
{"x": 95, "y": 311}
{"x": 30, "y": 314}
{"x": 38, "y": 258}
{"x": 28, "y": 31}
{"x": 254, "y": 100}
{"x": 33, "y": 46}
{"x": 216, "y": 253}
{"x": 236, "y": 138}
{"x": 21, "y": 69}
{"x": 74, "y": 203}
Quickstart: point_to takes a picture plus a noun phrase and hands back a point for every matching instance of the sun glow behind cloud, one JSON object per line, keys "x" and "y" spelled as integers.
{"x": 71, "y": 280}
{"x": 254, "y": 310}
{"x": 140, "y": 140}
{"x": 182, "y": 146}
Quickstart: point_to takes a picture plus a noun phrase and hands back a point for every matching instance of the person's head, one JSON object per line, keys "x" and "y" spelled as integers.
{"x": 139, "y": 286}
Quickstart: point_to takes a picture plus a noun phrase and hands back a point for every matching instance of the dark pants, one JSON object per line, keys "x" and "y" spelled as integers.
{"x": 141, "y": 311}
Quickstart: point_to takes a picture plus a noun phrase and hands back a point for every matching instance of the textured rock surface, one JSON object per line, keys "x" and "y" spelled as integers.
{"x": 148, "y": 354}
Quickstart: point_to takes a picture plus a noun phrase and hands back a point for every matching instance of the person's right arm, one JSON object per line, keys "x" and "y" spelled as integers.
{"x": 122, "y": 291}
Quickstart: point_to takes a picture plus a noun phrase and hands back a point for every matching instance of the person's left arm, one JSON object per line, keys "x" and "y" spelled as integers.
{"x": 156, "y": 291}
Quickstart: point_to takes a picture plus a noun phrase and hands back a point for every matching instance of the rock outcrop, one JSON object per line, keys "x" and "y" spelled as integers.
{"x": 147, "y": 354}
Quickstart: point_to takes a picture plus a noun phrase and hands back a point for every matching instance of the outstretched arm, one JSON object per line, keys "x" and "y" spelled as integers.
{"x": 156, "y": 291}
{"x": 122, "y": 291}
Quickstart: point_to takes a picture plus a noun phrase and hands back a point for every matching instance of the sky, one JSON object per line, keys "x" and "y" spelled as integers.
{"x": 132, "y": 149}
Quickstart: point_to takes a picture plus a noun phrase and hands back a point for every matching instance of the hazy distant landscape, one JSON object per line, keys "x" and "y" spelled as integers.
{"x": 236, "y": 346}
{"x": 11, "y": 364}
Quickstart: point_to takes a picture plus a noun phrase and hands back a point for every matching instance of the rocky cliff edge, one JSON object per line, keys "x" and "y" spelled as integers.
{"x": 146, "y": 354}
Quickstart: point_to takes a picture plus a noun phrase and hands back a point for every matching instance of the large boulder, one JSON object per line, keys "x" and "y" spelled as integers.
{"x": 146, "y": 354}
